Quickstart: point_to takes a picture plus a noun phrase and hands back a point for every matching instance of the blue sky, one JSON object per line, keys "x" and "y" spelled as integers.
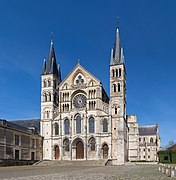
{"x": 86, "y": 30}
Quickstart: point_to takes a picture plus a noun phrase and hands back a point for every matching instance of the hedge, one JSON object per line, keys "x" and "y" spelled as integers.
{"x": 167, "y": 156}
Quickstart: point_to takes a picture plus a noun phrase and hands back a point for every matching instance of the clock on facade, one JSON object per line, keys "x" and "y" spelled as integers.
{"x": 79, "y": 101}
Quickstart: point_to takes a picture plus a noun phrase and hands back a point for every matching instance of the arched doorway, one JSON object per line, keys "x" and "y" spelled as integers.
{"x": 105, "y": 151}
{"x": 79, "y": 150}
{"x": 57, "y": 152}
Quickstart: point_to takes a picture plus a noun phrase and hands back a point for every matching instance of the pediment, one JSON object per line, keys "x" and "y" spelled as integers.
{"x": 79, "y": 76}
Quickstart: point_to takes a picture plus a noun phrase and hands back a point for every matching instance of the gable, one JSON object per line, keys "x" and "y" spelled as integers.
{"x": 79, "y": 76}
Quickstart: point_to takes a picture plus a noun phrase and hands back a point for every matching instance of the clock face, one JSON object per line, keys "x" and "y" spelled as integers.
{"x": 79, "y": 101}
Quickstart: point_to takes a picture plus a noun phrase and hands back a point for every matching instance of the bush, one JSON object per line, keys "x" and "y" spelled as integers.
{"x": 167, "y": 156}
{"x": 173, "y": 156}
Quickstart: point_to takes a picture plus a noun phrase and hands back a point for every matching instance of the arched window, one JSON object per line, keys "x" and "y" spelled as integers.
{"x": 139, "y": 139}
{"x": 44, "y": 83}
{"x": 47, "y": 114}
{"x": 113, "y": 73}
{"x": 120, "y": 72}
{"x": 49, "y": 96}
{"x": 118, "y": 87}
{"x": 56, "y": 127}
{"x": 114, "y": 87}
{"x": 151, "y": 140}
{"x": 144, "y": 139}
{"x": 49, "y": 83}
{"x": 91, "y": 125}
{"x": 105, "y": 125}
{"x": 44, "y": 98}
{"x": 78, "y": 124}
{"x": 92, "y": 144}
{"x": 67, "y": 126}
{"x": 116, "y": 72}
{"x": 66, "y": 145}
{"x": 115, "y": 110}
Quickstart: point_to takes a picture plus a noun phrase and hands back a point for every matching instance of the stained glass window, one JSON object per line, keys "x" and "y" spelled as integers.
{"x": 91, "y": 125}
{"x": 67, "y": 126}
{"x": 78, "y": 124}
{"x": 105, "y": 125}
{"x": 56, "y": 128}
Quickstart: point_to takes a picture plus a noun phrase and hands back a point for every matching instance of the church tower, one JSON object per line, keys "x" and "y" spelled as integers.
{"x": 118, "y": 103}
{"x": 50, "y": 78}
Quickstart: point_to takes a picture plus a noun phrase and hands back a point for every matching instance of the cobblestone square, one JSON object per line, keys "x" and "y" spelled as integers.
{"x": 130, "y": 172}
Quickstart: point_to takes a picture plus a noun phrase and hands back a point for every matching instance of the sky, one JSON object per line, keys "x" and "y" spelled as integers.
{"x": 86, "y": 30}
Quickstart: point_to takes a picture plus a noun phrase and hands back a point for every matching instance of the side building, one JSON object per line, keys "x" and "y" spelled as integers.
{"x": 143, "y": 141}
{"x": 19, "y": 145}
{"x": 149, "y": 143}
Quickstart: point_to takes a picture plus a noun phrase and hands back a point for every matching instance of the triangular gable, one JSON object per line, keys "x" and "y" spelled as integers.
{"x": 79, "y": 69}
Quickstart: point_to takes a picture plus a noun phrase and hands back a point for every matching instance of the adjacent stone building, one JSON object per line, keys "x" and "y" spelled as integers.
{"x": 149, "y": 143}
{"x": 144, "y": 141}
{"x": 79, "y": 120}
{"x": 133, "y": 138}
{"x": 18, "y": 144}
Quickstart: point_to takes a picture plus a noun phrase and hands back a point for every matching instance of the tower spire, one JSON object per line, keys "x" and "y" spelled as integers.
{"x": 59, "y": 73}
{"x": 118, "y": 22}
{"x": 117, "y": 55}
{"x": 52, "y": 66}
{"x": 52, "y": 36}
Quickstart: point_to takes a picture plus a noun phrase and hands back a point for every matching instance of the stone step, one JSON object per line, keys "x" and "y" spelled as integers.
{"x": 71, "y": 163}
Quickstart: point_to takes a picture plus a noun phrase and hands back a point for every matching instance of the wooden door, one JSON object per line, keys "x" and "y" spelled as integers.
{"x": 57, "y": 153}
{"x": 105, "y": 151}
{"x": 79, "y": 150}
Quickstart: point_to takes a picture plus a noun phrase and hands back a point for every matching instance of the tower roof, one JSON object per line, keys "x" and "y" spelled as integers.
{"x": 117, "y": 56}
{"x": 59, "y": 74}
{"x": 52, "y": 65}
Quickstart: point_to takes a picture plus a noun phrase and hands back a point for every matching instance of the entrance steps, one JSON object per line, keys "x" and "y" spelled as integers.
{"x": 72, "y": 163}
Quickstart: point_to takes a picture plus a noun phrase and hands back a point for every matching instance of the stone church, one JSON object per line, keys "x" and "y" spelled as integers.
{"x": 80, "y": 121}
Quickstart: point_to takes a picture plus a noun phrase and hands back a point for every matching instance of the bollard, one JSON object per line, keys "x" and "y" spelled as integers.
{"x": 160, "y": 168}
{"x": 163, "y": 170}
{"x": 173, "y": 171}
{"x": 169, "y": 171}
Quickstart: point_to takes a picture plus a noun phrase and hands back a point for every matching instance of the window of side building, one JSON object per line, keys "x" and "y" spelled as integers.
{"x": 17, "y": 140}
{"x": 32, "y": 143}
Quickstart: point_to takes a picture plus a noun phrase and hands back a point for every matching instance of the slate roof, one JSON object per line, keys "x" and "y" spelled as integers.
{"x": 147, "y": 130}
{"x": 28, "y": 123}
{"x": 19, "y": 125}
{"x": 50, "y": 67}
{"x": 117, "y": 56}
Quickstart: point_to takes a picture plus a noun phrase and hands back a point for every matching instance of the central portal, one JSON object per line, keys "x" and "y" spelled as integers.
{"x": 79, "y": 150}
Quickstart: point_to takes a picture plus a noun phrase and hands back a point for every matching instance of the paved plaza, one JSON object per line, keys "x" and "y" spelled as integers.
{"x": 136, "y": 172}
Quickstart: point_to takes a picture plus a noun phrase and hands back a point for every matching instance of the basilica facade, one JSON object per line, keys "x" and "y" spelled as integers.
{"x": 79, "y": 120}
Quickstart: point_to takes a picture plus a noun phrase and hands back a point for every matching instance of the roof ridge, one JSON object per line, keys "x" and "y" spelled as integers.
{"x": 148, "y": 126}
